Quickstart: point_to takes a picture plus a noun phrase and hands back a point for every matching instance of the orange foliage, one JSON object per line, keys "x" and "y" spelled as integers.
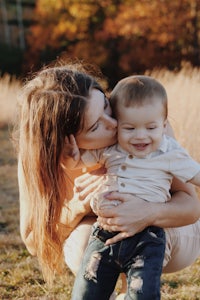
{"x": 124, "y": 34}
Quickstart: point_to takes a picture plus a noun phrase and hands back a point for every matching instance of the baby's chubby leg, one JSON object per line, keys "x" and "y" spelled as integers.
{"x": 76, "y": 243}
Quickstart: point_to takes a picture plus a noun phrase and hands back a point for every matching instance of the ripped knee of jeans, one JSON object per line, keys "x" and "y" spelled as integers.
{"x": 138, "y": 262}
{"x": 92, "y": 266}
{"x": 136, "y": 284}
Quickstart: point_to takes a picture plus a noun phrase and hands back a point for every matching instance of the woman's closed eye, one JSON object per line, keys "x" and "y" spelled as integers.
{"x": 129, "y": 128}
{"x": 95, "y": 127}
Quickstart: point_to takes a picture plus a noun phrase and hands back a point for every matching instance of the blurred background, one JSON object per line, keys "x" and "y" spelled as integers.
{"x": 120, "y": 36}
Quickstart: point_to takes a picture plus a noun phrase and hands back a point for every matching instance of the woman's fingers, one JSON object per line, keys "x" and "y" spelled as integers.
{"x": 93, "y": 175}
{"x": 72, "y": 140}
{"x": 82, "y": 180}
{"x": 117, "y": 196}
{"x": 66, "y": 140}
{"x": 81, "y": 183}
{"x": 120, "y": 236}
{"x": 87, "y": 181}
{"x": 105, "y": 222}
{"x": 90, "y": 188}
{"x": 99, "y": 171}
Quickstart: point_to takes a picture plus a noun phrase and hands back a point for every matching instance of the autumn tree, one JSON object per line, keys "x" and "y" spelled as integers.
{"x": 122, "y": 37}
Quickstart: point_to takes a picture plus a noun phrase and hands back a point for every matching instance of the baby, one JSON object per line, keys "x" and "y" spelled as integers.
{"x": 143, "y": 162}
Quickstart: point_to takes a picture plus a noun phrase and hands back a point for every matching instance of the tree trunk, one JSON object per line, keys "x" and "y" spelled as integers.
{"x": 195, "y": 13}
{"x": 5, "y": 22}
{"x": 20, "y": 24}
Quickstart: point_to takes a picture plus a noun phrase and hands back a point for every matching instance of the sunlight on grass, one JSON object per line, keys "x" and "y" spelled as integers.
{"x": 9, "y": 87}
{"x": 183, "y": 89}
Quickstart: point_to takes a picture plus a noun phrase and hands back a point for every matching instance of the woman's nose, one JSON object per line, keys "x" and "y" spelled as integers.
{"x": 110, "y": 122}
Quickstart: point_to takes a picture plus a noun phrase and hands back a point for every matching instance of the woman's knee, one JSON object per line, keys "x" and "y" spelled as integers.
{"x": 76, "y": 243}
{"x": 182, "y": 247}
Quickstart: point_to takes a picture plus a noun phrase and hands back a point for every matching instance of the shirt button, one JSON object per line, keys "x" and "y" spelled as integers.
{"x": 130, "y": 156}
{"x": 122, "y": 184}
{"x": 123, "y": 167}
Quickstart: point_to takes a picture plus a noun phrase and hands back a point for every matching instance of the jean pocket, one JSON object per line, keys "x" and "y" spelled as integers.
{"x": 156, "y": 234}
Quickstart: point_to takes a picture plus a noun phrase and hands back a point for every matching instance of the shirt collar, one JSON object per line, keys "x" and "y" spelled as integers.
{"x": 163, "y": 145}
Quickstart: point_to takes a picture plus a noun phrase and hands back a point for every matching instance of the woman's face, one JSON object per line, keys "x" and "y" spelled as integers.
{"x": 100, "y": 129}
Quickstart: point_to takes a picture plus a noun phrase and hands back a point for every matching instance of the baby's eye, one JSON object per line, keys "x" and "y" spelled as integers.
{"x": 151, "y": 128}
{"x": 130, "y": 128}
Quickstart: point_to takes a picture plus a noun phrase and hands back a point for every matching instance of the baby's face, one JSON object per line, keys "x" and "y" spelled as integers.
{"x": 140, "y": 128}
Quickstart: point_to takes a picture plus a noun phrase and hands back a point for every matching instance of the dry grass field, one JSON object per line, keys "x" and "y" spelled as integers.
{"x": 20, "y": 276}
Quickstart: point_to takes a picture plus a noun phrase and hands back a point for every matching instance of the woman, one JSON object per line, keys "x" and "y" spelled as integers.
{"x": 55, "y": 104}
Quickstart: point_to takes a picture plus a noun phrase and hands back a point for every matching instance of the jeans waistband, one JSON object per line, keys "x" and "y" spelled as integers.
{"x": 102, "y": 234}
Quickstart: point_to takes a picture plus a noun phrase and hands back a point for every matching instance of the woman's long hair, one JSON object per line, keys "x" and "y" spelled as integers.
{"x": 52, "y": 106}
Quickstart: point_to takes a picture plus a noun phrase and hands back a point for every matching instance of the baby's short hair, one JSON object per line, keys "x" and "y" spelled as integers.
{"x": 138, "y": 90}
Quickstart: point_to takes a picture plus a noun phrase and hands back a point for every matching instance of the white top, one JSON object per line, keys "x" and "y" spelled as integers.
{"x": 149, "y": 178}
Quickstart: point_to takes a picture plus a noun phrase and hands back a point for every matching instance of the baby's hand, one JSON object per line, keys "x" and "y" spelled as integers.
{"x": 71, "y": 149}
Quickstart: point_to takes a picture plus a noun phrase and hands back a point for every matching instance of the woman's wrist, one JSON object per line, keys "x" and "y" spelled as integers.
{"x": 154, "y": 213}
{"x": 80, "y": 207}
{"x": 182, "y": 210}
{"x": 158, "y": 215}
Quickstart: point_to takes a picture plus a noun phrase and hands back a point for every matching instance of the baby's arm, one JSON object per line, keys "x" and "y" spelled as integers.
{"x": 71, "y": 154}
{"x": 196, "y": 179}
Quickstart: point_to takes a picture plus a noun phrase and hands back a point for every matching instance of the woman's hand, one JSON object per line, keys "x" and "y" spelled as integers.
{"x": 86, "y": 185}
{"x": 71, "y": 154}
{"x": 79, "y": 206}
{"x": 131, "y": 216}
{"x": 134, "y": 214}
{"x": 70, "y": 148}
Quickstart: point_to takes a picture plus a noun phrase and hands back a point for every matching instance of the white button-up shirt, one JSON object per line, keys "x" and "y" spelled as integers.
{"x": 148, "y": 178}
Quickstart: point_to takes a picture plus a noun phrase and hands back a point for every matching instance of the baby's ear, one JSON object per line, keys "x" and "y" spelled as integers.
{"x": 165, "y": 125}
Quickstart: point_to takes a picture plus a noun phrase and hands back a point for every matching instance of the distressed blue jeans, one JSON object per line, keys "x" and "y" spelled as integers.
{"x": 140, "y": 257}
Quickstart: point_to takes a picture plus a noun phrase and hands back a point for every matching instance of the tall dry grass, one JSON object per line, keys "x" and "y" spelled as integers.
{"x": 9, "y": 89}
{"x": 183, "y": 89}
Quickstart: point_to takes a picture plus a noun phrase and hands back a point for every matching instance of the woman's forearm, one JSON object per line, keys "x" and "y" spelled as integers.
{"x": 78, "y": 207}
{"x": 72, "y": 213}
{"x": 183, "y": 209}
{"x": 135, "y": 214}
